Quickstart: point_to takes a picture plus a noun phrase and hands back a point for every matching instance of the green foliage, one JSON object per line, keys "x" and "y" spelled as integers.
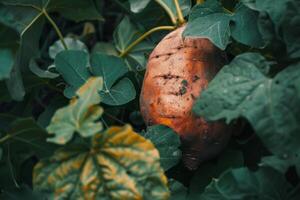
{"x": 242, "y": 90}
{"x": 80, "y": 115}
{"x": 75, "y": 68}
{"x": 167, "y": 143}
{"x": 210, "y": 20}
{"x": 71, "y": 72}
{"x": 244, "y": 184}
{"x": 120, "y": 164}
{"x": 125, "y": 33}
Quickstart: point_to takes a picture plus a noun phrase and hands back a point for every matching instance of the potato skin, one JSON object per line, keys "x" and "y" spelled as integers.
{"x": 177, "y": 71}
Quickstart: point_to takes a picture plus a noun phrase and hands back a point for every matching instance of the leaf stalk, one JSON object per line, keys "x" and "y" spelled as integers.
{"x": 181, "y": 19}
{"x": 140, "y": 39}
{"x": 55, "y": 28}
{"x": 168, "y": 11}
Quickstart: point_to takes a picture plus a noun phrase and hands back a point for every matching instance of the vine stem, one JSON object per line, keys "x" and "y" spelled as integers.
{"x": 168, "y": 11}
{"x": 55, "y": 28}
{"x": 136, "y": 42}
{"x": 179, "y": 12}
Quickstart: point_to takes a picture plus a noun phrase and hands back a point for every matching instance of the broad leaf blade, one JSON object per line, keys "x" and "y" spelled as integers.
{"x": 270, "y": 105}
{"x": 167, "y": 142}
{"x": 73, "y": 66}
{"x": 241, "y": 183}
{"x": 112, "y": 68}
{"x": 80, "y": 115}
{"x": 120, "y": 164}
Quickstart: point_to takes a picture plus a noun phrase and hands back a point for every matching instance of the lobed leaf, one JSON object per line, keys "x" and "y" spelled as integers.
{"x": 80, "y": 115}
{"x": 210, "y": 20}
{"x": 120, "y": 164}
{"x": 238, "y": 184}
{"x": 269, "y": 104}
{"x": 111, "y": 69}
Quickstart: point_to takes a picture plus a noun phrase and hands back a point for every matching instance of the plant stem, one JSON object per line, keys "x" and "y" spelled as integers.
{"x": 55, "y": 28}
{"x": 179, "y": 12}
{"x": 200, "y": 1}
{"x": 3, "y": 139}
{"x": 168, "y": 10}
{"x": 228, "y": 11}
{"x": 136, "y": 42}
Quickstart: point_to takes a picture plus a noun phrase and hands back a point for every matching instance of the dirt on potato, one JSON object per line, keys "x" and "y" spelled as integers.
{"x": 177, "y": 71}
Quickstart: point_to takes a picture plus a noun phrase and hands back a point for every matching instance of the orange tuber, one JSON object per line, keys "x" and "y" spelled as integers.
{"x": 177, "y": 71}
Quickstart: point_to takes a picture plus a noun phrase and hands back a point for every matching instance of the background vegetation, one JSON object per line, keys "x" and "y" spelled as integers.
{"x": 71, "y": 73}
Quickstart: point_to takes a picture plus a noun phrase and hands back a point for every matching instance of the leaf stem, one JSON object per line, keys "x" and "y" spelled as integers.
{"x": 179, "y": 12}
{"x": 168, "y": 11}
{"x": 136, "y": 42}
{"x": 3, "y": 139}
{"x": 55, "y": 28}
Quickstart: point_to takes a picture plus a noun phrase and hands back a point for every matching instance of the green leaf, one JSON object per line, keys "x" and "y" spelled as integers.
{"x": 241, "y": 90}
{"x": 282, "y": 23}
{"x": 72, "y": 44}
{"x": 244, "y": 27}
{"x": 73, "y": 66}
{"x": 178, "y": 191}
{"x": 126, "y": 33}
{"x": 22, "y": 15}
{"x": 208, "y": 171}
{"x": 80, "y": 115}
{"x": 138, "y": 5}
{"x": 242, "y": 184}
{"x": 105, "y": 48}
{"x": 214, "y": 27}
{"x": 25, "y": 135}
{"x": 8, "y": 46}
{"x": 121, "y": 93}
{"x": 34, "y": 68}
{"x": 167, "y": 142}
{"x": 24, "y": 193}
{"x": 112, "y": 68}
{"x": 210, "y": 20}
{"x": 119, "y": 164}
{"x": 75, "y": 10}
{"x": 281, "y": 164}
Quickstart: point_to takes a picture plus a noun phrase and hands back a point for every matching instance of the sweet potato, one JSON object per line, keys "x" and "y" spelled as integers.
{"x": 177, "y": 71}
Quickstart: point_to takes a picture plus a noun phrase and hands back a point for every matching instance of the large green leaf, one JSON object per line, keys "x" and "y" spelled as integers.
{"x": 112, "y": 68}
{"x": 28, "y": 48}
{"x": 242, "y": 90}
{"x": 21, "y": 14}
{"x": 210, "y": 20}
{"x": 282, "y": 23}
{"x": 167, "y": 142}
{"x": 240, "y": 184}
{"x": 124, "y": 34}
{"x": 120, "y": 164}
{"x": 80, "y": 115}
{"x": 205, "y": 173}
{"x": 8, "y": 46}
{"x": 73, "y": 66}
{"x": 23, "y": 140}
